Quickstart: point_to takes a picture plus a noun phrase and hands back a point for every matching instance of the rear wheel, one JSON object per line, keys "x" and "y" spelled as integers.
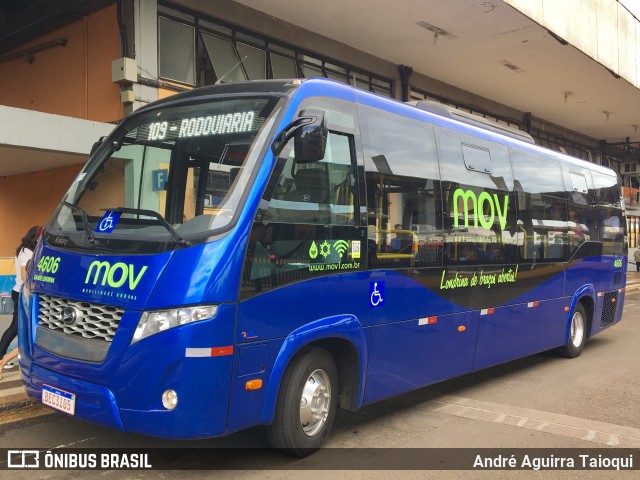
{"x": 307, "y": 404}
{"x": 577, "y": 333}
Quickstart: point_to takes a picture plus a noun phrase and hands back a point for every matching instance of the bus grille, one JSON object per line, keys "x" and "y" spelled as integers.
{"x": 609, "y": 308}
{"x": 92, "y": 320}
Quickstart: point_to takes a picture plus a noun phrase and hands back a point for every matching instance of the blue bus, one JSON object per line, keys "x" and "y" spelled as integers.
{"x": 264, "y": 253}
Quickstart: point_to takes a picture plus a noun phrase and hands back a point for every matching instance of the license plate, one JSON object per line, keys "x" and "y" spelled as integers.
{"x": 59, "y": 399}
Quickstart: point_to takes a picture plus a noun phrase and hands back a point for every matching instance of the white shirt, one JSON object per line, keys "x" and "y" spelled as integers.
{"x": 21, "y": 261}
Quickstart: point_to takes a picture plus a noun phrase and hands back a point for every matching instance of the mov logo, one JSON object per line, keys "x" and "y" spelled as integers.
{"x": 114, "y": 275}
{"x": 478, "y": 205}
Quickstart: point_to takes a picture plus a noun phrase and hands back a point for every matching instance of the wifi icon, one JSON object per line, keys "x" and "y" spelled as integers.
{"x": 341, "y": 246}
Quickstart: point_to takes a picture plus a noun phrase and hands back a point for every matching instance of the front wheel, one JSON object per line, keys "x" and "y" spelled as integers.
{"x": 307, "y": 403}
{"x": 577, "y": 333}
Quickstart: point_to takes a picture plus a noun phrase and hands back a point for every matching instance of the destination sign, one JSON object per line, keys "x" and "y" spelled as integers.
{"x": 238, "y": 122}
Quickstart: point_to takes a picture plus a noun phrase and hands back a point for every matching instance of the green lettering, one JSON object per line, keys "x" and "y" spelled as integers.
{"x": 486, "y": 222}
{"x": 442, "y": 287}
{"x": 133, "y": 282}
{"x": 99, "y": 266}
{"x": 123, "y": 276}
{"x": 502, "y": 214}
{"x": 115, "y": 275}
{"x": 455, "y": 282}
{"x": 466, "y": 195}
{"x": 477, "y": 204}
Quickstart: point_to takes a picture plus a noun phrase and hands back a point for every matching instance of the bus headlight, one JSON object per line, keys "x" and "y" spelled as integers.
{"x": 161, "y": 320}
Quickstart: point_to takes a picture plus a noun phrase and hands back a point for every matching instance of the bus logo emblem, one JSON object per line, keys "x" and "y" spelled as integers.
{"x": 114, "y": 275}
{"x": 478, "y": 204}
{"x": 69, "y": 315}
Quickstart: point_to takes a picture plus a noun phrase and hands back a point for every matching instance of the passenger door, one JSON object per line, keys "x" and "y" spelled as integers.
{"x": 308, "y": 225}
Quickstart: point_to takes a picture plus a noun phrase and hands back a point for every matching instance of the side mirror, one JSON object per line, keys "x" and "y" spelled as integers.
{"x": 309, "y": 132}
{"x": 310, "y": 139}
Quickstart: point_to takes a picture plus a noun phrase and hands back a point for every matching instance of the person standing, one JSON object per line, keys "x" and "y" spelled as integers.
{"x": 24, "y": 252}
{"x": 636, "y": 258}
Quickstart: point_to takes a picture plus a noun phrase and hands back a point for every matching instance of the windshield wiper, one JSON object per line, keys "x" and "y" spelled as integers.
{"x": 150, "y": 213}
{"x": 85, "y": 222}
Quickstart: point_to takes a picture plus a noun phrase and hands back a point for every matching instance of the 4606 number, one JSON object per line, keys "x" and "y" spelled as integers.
{"x": 49, "y": 264}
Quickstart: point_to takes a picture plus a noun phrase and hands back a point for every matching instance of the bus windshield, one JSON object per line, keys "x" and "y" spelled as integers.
{"x": 167, "y": 177}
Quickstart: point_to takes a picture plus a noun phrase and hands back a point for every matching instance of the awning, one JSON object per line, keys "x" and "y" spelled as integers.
{"x": 33, "y": 141}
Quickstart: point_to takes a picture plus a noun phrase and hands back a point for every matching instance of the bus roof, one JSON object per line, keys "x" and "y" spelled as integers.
{"x": 433, "y": 115}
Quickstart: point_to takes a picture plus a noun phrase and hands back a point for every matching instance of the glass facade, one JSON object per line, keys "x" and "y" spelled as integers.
{"x": 197, "y": 51}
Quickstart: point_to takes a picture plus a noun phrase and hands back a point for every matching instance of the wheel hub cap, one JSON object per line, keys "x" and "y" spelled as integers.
{"x": 315, "y": 402}
{"x": 577, "y": 329}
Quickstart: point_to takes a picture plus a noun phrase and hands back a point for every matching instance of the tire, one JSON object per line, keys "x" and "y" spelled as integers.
{"x": 310, "y": 382}
{"x": 577, "y": 333}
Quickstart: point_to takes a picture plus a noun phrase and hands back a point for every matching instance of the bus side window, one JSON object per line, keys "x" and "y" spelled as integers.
{"x": 581, "y": 206}
{"x": 611, "y": 219}
{"x": 307, "y": 227}
{"x": 478, "y": 200}
{"x": 404, "y": 208}
{"x": 542, "y": 208}
{"x": 320, "y": 192}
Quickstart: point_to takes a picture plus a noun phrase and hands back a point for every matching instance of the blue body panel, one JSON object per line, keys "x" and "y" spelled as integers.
{"x": 519, "y": 330}
{"x": 408, "y": 355}
{"x": 92, "y": 277}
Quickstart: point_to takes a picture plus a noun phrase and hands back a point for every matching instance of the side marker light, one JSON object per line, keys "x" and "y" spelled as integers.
{"x": 253, "y": 385}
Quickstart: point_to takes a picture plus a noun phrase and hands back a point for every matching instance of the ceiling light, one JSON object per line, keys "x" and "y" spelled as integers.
{"x": 511, "y": 66}
{"x": 437, "y": 31}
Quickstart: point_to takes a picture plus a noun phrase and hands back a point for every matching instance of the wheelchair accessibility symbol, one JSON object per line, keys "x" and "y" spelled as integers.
{"x": 108, "y": 222}
{"x": 376, "y": 294}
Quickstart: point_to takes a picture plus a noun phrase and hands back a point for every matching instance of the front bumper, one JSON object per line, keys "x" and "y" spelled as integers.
{"x": 124, "y": 392}
{"x": 94, "y": 403}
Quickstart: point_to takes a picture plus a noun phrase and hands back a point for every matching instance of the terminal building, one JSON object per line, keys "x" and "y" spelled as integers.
{"x": 566, "y": 72}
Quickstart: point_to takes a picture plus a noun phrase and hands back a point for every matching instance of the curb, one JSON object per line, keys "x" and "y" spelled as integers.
{"x": 23, "y": 411}
{"x": 18, "y": 401}
{"x": 12, "y": 404}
